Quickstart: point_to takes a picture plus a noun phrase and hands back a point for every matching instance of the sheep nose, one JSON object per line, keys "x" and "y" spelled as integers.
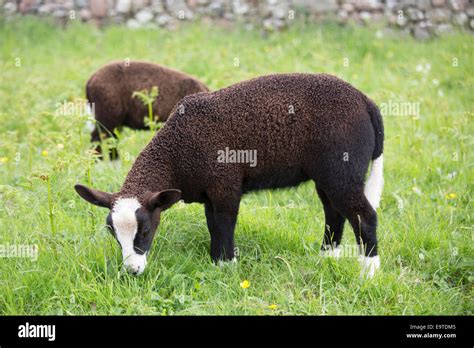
{"x": 135, "y": 264}
{"x": 135, "y": 270}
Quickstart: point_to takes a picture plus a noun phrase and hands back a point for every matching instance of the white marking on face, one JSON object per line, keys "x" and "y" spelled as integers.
{"x": 126, "y": 226}
{"x": 369, "y": 266}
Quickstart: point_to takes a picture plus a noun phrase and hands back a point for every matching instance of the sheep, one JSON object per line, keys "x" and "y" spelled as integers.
{"x": 110, "y": 89}
{"x": 301, "y": 126}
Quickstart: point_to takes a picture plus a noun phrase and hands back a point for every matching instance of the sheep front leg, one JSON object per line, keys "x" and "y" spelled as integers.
{"x": 221, "y": 224}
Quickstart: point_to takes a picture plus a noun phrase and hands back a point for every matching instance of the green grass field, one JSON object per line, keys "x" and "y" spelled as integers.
{"x": 425, "y": 220}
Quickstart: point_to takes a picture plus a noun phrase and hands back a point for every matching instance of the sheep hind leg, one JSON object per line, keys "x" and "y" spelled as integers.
{"x": 333, "y": 227}
{"x": 363, "y": 218}
{"x": 95, "y": 137}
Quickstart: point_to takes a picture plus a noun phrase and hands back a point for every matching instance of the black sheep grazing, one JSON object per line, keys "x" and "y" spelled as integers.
{"x": 110, "y": 90}
{"x": 302, "y": 127}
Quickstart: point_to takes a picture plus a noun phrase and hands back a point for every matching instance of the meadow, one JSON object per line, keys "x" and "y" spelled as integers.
{"x": 425, "y": 219}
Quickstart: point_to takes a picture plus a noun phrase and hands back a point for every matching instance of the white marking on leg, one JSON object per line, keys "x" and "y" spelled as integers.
{"x": 126, "y": 225}
{"x": 90, "y": 126}
{"x": 374, "y": 184}
{"x": 369, "y": 266}
{"x": 222, "y": 263}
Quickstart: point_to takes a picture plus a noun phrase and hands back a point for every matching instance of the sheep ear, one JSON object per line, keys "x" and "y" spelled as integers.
{"x": 163, "y": 199}
{"x": 102, "y": 199}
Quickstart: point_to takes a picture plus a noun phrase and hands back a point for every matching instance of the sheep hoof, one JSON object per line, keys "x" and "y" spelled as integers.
{"x": 222, "y": 263}
{"x": 369, "y": 266}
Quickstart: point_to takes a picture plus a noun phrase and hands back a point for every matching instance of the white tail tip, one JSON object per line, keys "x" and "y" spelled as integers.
{"x": 374, "y": 184}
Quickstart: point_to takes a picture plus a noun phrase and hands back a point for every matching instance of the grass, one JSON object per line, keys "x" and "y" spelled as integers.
{"x": 425, "y": 218}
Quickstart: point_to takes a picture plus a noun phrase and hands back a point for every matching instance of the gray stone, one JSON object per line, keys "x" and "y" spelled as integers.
{"x": 423, "y": 4}
{"x": 163, "y": 20}
{"x": 144, "y": 16}
{"x": 444, "y": 29}
{"x": 217, "y": 9}
{"x": 460, "y": 18}
{"x": 9, "y": 8}
{"x": 390, "y": 4}
{"x": 406, "y": 3}
{"x": 280, "y": 11}
{"x": 471, "y": 24}
{"x": 438, "y": 3}
{"x": 414, "y": 14}
{"x": 342, "y": 16}
{"x": 458, "y": 5}
{"x": 368, "y": 5}
{"x": 123, "y": 6}
{"x": 240, "y": 7}
{"x": 59, "y": 13}
{"x": 157, "y": 6}
{"x": 99, "y": 8}
{"x": 133, "y": 23}
{"x": 46, "y": 9}
{"x": 319, "y": 6}
{"x": 348, "y": 7}
{"x": 85, "y": 14}
{"x": 179, "y": 9}
{"x": 81, "y": 3}
{"x": 438, "y": 15}
{"x": 421, "y": 33}
{"x": 470, "y": 12}
{"x": 139, "y": 4}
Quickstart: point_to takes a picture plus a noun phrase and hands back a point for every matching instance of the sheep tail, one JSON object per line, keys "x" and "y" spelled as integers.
{"x": 374, "y": 184}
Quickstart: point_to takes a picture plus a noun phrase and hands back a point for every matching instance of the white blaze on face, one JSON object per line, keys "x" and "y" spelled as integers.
{"x": 126, "y": 226}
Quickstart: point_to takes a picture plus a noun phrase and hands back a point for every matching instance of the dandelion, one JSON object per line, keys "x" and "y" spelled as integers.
{"x": 44, "y": 153}
{"x": 3, "y": 159}
{"x": 273, "y": 306}
{"x": 451, "y": 195}
{"x": 245, "y": 284}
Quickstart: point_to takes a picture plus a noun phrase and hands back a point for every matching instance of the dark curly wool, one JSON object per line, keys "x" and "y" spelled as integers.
{"x": 112, "y": 86}
{"x": 302, "y": 126}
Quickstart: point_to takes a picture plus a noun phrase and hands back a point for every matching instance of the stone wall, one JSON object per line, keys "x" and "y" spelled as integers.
{"x": 421, "y": 18}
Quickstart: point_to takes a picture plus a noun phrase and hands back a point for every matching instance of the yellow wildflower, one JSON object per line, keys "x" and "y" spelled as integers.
{"x": 245, "y": 284}
{"x": 451, "y": 195}
{"x": 3, "y": 159}
{"x": 273, "y": 306}
{"x": 44, "y": 153}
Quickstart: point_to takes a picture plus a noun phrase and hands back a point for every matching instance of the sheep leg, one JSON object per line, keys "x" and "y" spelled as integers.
{"x": 95, "y": 137}
{"x": 98, "y": 136}
{"x": 334, "y": 226}
{"x": 221, "y": 224}
{"x": 363, "y": 218}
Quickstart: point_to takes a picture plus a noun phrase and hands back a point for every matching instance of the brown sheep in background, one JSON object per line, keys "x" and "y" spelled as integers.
{"x": 301, "y": 127}
{"x": 110, "y": 91}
